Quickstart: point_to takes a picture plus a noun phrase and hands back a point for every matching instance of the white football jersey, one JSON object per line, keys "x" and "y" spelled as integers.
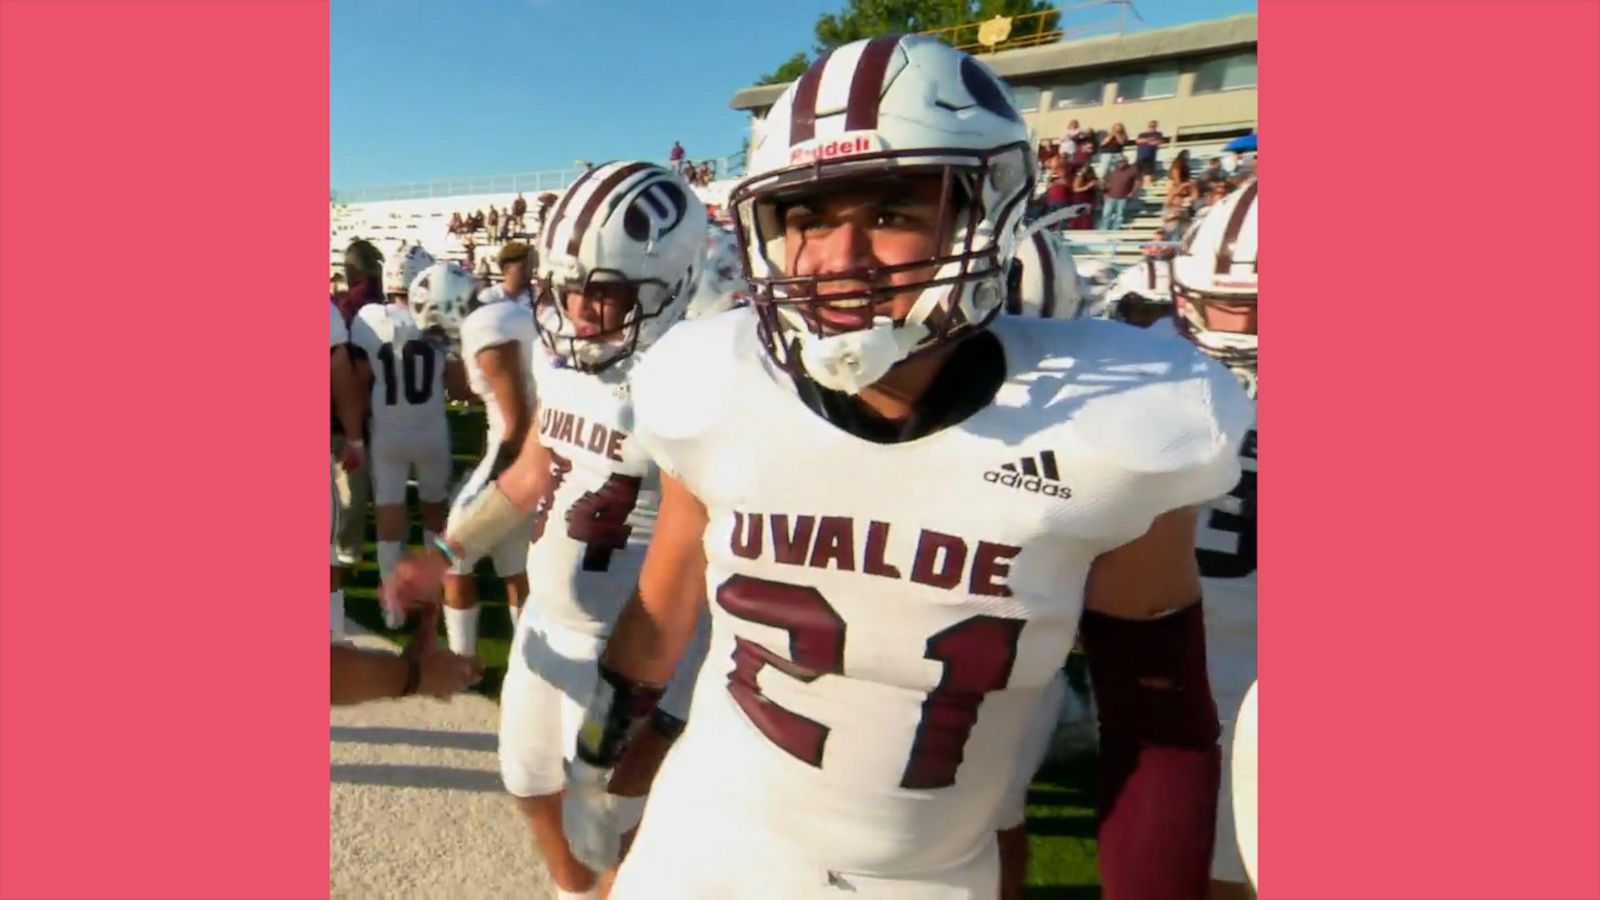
{"x": 582, "y": 563}
{"x": 336, "y": 324}
{"x": 886, "y": 618}
{"x": 491, "y": 326}
{"x": 407, "y": 369}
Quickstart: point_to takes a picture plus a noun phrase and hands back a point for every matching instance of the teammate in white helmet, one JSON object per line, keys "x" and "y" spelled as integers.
{"x": 620, "y": 258}
{"x": 406, "y": 369}
{"x": 495, "y": 341}
{"x": 1214, "y": 283}
{"x": 1048, "y": 288}
{"x": 903, "y": 505}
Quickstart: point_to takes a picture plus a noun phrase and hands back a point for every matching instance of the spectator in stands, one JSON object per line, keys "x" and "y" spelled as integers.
{"x": 1085, "y": 193}
{"x": 1150, "y": 143}
{"x": 477, "y": 221}
{"x": 1213, "y": 173}
{"x": 1182, "y": 194}
{"x": 1116, "y": 140}
{"x": 1090, "y": 140}
{"x": 471, "y": 246}
{"x": 336, "y": 285}
{"x": 708, "y": 174}
{"x": 1059, "y": 193}
{"x": 1047, "y": 152}
{"x": 1071, "y": 137}
{"x": 676, "y": 156}
{"x": 546, "y": 201}
{"x": 1082, "y": 154}
{"x": 519, "y": 212}
{"x": 456, "y": 225}
{"x": 1122, "y": 182}
{"x": 493, "y": 222}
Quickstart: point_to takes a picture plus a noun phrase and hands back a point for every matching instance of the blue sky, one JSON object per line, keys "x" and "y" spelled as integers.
{"x": 426, "y": 89}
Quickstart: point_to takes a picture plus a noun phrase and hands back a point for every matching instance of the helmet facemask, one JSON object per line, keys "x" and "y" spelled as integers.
{"x": 980, "y": 193}
{"x": 646, "y": 299}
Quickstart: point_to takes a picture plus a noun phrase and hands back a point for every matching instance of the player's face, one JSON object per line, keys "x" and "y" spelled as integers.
{"x": 1230, "y": 318}
{"x": 603, "y": 309}
{"x": 864, "y": 226}
{"x": 516, "y": 276}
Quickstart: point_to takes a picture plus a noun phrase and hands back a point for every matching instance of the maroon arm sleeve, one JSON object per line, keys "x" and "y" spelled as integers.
{"x": 1160, "y": 765}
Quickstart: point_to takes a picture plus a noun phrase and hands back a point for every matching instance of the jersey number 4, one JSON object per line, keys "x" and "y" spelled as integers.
{"x": 976, "y": 653}
{"x": 599, "y": 518}
{"x": 416, "y": 363}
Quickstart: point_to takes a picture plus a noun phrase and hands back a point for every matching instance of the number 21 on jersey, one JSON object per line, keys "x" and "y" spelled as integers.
{"x": 976, "y": 654}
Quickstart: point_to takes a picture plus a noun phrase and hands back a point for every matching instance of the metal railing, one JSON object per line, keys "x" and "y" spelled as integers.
{"x": 1033, "y": 29}
{"x": 552, "y": 180}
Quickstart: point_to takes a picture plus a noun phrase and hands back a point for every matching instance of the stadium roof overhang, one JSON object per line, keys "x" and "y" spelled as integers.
{"x": 1088, "y": 53}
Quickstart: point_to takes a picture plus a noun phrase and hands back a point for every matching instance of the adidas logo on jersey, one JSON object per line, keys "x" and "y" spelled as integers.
{"x": 1036, "y": 476}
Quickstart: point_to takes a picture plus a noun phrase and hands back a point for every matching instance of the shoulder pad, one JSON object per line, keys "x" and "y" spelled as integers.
{"x": 1162, "y": 406}
{"x": 492, "y": 325}
{"x": 684, "y": 382}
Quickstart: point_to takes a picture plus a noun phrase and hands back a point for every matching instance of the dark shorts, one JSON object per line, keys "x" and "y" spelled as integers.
{"x": 1146, "y": 166}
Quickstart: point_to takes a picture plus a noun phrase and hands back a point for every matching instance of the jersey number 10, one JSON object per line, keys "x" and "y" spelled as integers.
{"x": 417, "y": 361}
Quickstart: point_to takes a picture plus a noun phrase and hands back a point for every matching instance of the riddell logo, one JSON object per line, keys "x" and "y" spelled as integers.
{"x": 1038, "y": 476}
{"x": 845, "y": 146}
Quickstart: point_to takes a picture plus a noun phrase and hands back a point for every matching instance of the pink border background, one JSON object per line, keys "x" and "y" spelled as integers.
{"x": 1430, "y": 611}
{"x": 1430, "y": 614}
{"x": 164, "y": 392}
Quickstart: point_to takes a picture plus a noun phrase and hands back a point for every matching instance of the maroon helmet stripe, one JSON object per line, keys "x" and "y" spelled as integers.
{"x": 866, "y": 84}
{"x": 592, "y": 205}
{"x": 555, "y": 217}
{"x": 1235, "y": 225}
{"x": 803, "y": 121}
{"x": 1047, "y": 275}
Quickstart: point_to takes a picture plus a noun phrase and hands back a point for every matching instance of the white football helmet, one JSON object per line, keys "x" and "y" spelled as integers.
{"x": 869, "y": 110}
{"x": 441, "y": 297}
{"x": 1049, "y": 285}
{"x": 631, "y": 223}
{"x": 1142, "y": 292}
{"x": 402, "y": 267}
{"x": 1214, "y": 281}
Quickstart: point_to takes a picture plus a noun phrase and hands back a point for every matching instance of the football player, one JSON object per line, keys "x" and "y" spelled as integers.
{"x": 516, "y": 272}
{"x": 1214, "y": 285}
{"x": 1141, "y": 294}
{"x": 496, "y": 341}
{"x": 405, "y": 369}
{"x": 903, "y": 506}
{"x": 620, "y": 257}
{"x": 352, "y": 453}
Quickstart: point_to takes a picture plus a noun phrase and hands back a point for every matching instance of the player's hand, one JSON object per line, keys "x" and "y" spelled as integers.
{"x": 589, "y": 816}
{"x": 353, "y": 455}
{"x": 417, "y": 581}
{"x": 445, "y": 674}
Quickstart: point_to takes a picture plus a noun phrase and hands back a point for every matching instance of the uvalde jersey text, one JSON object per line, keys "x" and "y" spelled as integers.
{"x": 885, "y": 618}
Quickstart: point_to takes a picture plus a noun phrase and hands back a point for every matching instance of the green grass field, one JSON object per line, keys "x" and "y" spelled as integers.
{"x": 1060, "y": 801}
